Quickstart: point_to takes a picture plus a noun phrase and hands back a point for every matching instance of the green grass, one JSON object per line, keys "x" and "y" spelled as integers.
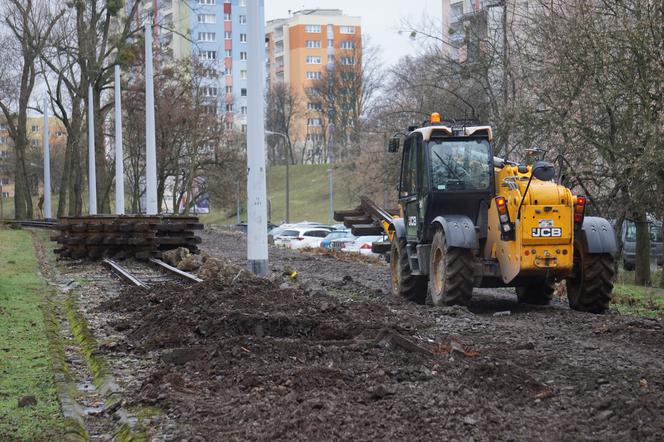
{"x": 309, "y": 196}
{"x": 638, "y": 300}
{"x": 24, "y": 362}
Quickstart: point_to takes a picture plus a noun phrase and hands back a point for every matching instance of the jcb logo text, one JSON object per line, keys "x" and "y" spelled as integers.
{"x": 547, "y": 232}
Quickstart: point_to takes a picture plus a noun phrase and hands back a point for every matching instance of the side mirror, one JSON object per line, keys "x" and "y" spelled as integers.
{"x": 543, "y": 171}
{"x": 393, "y": 145}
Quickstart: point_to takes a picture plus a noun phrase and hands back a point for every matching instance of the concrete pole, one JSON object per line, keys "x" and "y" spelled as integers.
{"x": 150, "y": 140}
{"x": 47, "y": 165}
{"x": 257, "y": 256}
{"x": 119, "y": 157}
{"x": 330, "y": 171}
{"x": 92, "y": 174}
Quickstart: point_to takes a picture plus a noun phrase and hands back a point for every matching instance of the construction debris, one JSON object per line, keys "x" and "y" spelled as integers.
{"x": 125, "y": 236}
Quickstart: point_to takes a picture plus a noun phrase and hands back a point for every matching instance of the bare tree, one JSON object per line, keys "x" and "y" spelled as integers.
{"x": 284, "y": 107}
{"x": 30, "y": 23}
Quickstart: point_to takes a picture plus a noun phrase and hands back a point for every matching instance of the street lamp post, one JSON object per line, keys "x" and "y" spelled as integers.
{"x": 285, "y": 137}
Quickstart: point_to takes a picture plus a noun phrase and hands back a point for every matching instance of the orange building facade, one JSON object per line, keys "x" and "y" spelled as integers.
{"x": 300, "y": 50}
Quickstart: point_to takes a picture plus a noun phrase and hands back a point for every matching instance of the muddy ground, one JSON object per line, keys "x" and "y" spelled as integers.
{"x": 333, "y": 356}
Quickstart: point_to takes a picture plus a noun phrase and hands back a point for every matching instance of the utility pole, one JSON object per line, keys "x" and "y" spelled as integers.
{"x": 330, "y": 171}
{"x": 119, "y": 157}
{"x": 92, "y": 173}
{"x": 47, "y": 165}
{"x": 257, "y": 254}
{"x": 150, "y": 139}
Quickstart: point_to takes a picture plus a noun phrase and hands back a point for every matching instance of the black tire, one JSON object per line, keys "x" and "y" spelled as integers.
{"x": 590, "y": 287}
{"x": 535, "y": 294}
{"x": 404, "y": 284}
{"x": 450, "y": 274}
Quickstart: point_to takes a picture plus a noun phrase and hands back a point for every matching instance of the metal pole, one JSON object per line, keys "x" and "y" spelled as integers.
{"x": 287, "y": 187}
{"x": 150, "y": 139}
{"x": 92, "y": 174}
{"x": 119, "y": 157}
{"x": 330, "y": 171}
{"x": 238, "y": 218}
{"x": 47, "y": 165}
{"x": 257, "y": 255}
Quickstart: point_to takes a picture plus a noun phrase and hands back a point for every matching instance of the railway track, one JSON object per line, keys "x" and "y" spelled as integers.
{"x": 42, "y": 224}
{"x": 147, "y": 274}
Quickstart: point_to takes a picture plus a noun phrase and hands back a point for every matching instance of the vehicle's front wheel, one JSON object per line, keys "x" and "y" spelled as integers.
{"x": 589, "y": 288}
{"x": 535, "y": 294}
{"x": 404, "y": 283}
{"x": 450, "y": 274}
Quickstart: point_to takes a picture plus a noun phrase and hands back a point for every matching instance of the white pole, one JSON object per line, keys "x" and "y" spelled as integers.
{"x": 47, "y": 166}
{"x": 119, "y": 157}
{"x": 92, "y": 174}
{"x": 257, "y": 256}
{"x": 150, "y": 140}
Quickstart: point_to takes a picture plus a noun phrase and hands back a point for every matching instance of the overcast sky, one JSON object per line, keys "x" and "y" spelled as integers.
{"x": 381, "y": 19}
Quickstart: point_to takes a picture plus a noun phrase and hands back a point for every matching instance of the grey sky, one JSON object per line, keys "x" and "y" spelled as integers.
{"x": 381, "y": 19}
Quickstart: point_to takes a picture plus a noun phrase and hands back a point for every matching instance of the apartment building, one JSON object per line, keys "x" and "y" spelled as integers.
{"x": 300, "y": 48}
{"x": 35, "y": 133}
{"x": 215, "y": 32}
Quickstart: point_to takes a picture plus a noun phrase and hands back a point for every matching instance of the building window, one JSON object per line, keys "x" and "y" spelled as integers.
{"x": 243, "y": 92}
{"x": 209, "y": 91}
{"x": 244, "y": 128}
{"x": 314, "y": 75}
{"x": 315, "y": 106}
{"x": 228, "y": 35}
{"x": 228, "y": 71}
{"x": 315, "y": 137}
{"x": 348, "y": 61}
{"x": 4, "y": 153}
{"x": 3, "y": 140}
{"x": 312, "y": 91}
{"x": 59, "y": 133}
{"x": 228, "y": 53}
{"x": 243, "y": 110}
{"x": 347, "y": 44}
{"x": 35, "y": 143}
{"x": 243, "y": 55}
{"x": 243, "y": 38}
{"x": 312, "y": 29}
{"x": 313, "y": 60}
{"x": 207, "y": 36}
{"x": 243, "y": 74}
{"x": 229, "y": 125}
{"x": 35, "y": 128}
{"x": 227, "y": 16}
{"x": 313, "y": 44}
{"x": 4, "y": 181}
{"x": 3, "y": 126}
{"x": 347, "y": 29}
{"x": 5, "y": 194}
{"x": 313, "y": 122}
{"x": 207, "y": 2}
{"x": 229, "y": 107}
{"x": 242, "y": 3}
{"x": 330, "y": 59}
{"x": 208, "y": 55}
{"x": 229, "y": 89}
{"x": 243, "y": 19}
{"x": 207, "y": 18}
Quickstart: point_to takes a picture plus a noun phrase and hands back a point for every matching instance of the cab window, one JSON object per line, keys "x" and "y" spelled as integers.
{"x": 409, "y": 169}
{"x": 460, "y": 164}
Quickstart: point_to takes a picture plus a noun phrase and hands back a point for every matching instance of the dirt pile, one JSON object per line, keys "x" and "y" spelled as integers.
{"x": 242, "y": 358}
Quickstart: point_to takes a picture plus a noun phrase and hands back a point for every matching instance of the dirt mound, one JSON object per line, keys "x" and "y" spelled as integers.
{"x": 243, "y": 358}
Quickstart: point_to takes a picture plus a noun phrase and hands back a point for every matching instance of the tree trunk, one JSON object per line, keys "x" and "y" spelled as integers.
{"x": 661, "y": 275}
{"x": 642, "y": 257}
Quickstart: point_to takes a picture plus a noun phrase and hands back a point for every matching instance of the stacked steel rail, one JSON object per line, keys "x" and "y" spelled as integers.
{"x": 366, "y": 219}
{"x": 125, "y": 236}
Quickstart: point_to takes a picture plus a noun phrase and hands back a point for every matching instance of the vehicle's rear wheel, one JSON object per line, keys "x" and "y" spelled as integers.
{"x": 450, "y": 274}
{"x": 404, "y": 283}
{"x": 536, "y": 294}
{"x": 589, "y": 288}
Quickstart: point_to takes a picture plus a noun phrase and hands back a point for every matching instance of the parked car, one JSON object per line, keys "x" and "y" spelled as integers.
{"x": 337, "y": 237}
{"x": 362, "y": 245}
{"x": 279, "y": 230}
{"x": 629, "y": 243}
{"x": 301, "y": 237}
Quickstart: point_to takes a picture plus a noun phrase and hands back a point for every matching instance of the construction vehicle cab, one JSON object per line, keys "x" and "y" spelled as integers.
{"x": 468, "y": 220}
